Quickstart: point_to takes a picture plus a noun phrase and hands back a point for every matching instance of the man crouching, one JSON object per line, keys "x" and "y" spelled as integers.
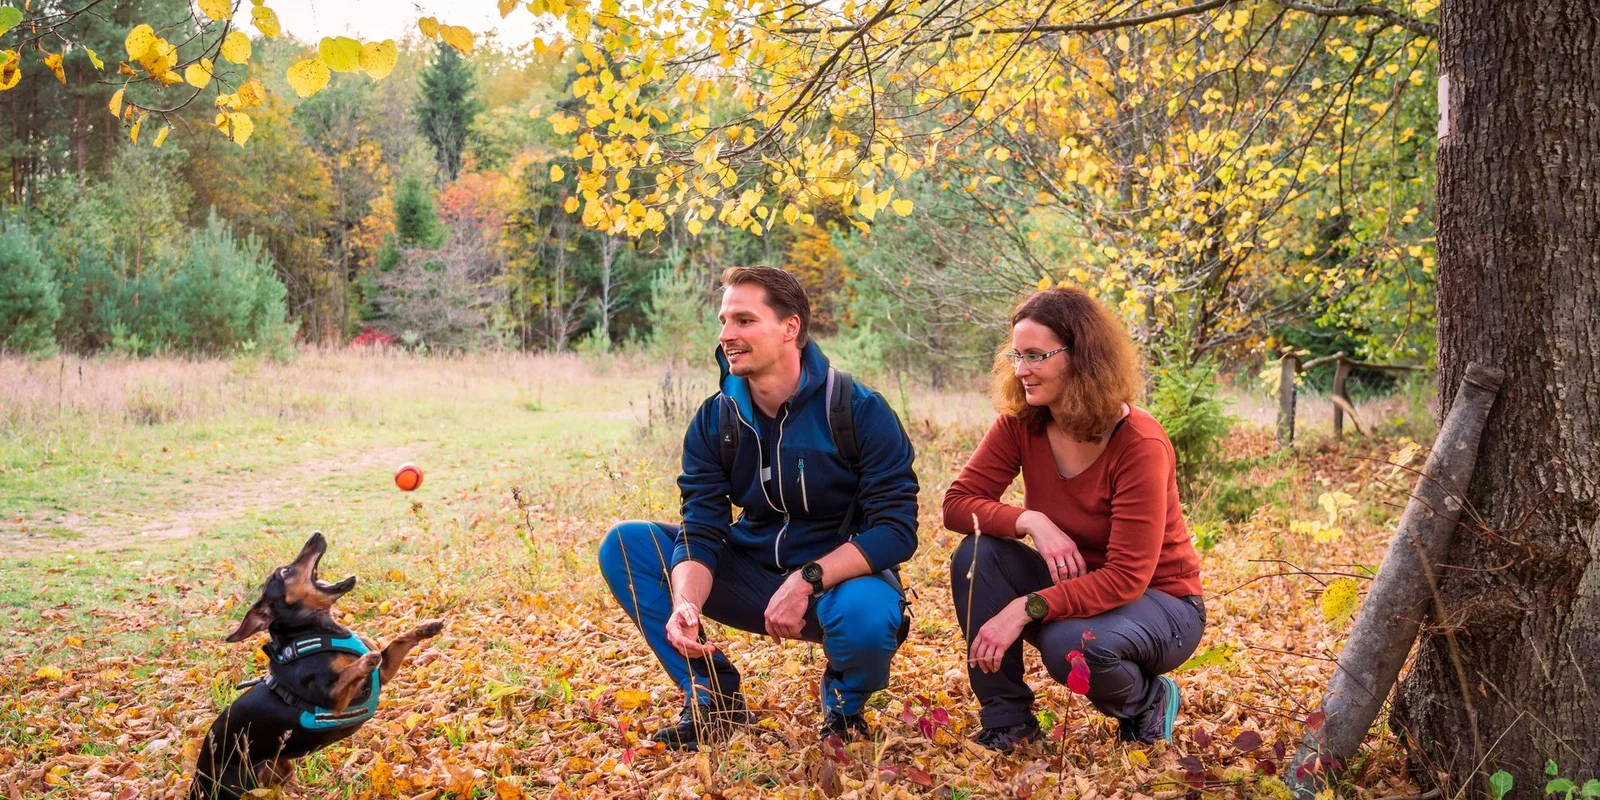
{"x": 822, "y": 469}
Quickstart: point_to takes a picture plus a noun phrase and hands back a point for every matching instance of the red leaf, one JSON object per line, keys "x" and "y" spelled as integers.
{"x": 941, "y": 717}
{"x": 926, "y": 726}
{"x": 1314, "y": 722}
{"x": 1202, "y": 738}
{"x": 1191, "y": 765}
{"x": 1247, "y": 741}
{"x": 907, "y": 715}
{"x": 834, "y": 747}
{"x": 1267, "y": 767}
{"x": 1279, "y": 749}
{"x": 924, "y": 701}
{"x": 919, "y": 777}
{"x": 829, "y": 781}
{"x": 627, "y": 756}
{"x": 1078, "y": 678}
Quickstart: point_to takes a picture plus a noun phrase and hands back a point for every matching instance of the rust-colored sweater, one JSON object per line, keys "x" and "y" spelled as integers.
{"x": 1122, "y": 511}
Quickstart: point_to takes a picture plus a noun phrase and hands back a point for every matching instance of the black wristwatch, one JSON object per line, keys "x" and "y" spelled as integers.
{"x": 812, "y": 573}
{"x": 1036, "y": 607}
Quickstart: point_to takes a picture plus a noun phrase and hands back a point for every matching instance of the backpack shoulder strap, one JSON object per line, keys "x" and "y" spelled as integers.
{"x": 841, "y": 420}
{"x": 727, "y": 432}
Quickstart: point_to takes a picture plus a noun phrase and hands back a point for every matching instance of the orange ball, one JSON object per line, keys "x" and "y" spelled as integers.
{"x": 408, "y": 477}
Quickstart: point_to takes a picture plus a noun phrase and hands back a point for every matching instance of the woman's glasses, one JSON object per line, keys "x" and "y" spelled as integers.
{"x": 1031, "y": 359}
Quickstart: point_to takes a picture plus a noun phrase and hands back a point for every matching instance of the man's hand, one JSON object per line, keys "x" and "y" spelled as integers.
{"x": 997, "y": 635}
{"x": 683, "y": 632}
{"x": 786, "y": 611}
{"x": 1060, "y": 552}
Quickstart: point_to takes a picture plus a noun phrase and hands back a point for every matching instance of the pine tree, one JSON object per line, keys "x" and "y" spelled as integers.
{"x": 447, "y": 107}
{"x": 29, "y": 297}
{"x": 416, "y": 222}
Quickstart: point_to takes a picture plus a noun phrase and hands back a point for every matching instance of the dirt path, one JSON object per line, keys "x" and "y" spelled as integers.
{"x": 201, "y": 507}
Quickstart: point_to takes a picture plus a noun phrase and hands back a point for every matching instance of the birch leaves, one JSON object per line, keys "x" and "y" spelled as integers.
{"x": 189, "y": 57}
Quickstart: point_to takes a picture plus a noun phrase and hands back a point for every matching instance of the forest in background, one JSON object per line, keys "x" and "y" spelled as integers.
{"x": 428, "y": 211}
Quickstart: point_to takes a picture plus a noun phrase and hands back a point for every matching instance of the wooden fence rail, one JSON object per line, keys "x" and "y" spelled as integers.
{"x": 1289, "y": 366}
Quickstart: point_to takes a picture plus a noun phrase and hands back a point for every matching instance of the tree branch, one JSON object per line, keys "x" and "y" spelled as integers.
{"x": 1065, "y": 27}
{"x": 1395, "y": 18}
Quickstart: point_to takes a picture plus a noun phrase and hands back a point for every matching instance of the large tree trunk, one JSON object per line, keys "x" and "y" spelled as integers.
{"x": 1519, "y": 287}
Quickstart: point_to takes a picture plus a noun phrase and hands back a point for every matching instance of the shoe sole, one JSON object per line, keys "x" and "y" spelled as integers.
{"x": 1169, "y": 715}
{"x": 1035, "y": 736}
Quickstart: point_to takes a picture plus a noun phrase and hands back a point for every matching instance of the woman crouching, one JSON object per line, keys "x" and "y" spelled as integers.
{"x": 1096, "y": 565}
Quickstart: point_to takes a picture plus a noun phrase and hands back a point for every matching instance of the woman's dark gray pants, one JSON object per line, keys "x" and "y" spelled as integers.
{"x": 1128, "y": 648}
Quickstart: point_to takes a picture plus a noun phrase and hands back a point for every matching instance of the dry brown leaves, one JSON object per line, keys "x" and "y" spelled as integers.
{"x": 540, "y": 687}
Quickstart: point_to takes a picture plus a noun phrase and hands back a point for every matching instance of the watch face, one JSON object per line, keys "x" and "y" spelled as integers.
{"x": 1037, "y": 607}
{"x": 811, "y": 572}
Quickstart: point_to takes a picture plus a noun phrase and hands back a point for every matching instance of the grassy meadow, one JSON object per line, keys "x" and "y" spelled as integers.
{"x": 142, "y": 502}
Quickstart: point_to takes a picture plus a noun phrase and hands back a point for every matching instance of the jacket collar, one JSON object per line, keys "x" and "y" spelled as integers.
{"x": 813, "y": 372}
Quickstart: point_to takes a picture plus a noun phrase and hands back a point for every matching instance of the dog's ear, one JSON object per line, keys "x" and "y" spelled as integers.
{"x": 255, "y": 621}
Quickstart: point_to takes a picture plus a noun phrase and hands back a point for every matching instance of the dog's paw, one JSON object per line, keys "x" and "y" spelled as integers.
{"x": 428, "y": 630}
{"x": 370, "y": 661}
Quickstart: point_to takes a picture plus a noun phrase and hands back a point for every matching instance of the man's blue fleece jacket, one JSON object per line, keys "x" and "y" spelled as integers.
{"x": 795, "y": 515}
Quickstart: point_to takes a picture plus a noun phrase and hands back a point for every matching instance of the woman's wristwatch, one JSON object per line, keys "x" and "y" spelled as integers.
{"x": 1036, "y": 607}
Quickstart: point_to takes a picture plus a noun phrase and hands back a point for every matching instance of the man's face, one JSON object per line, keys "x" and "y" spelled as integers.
{"x": 753, "y": 337}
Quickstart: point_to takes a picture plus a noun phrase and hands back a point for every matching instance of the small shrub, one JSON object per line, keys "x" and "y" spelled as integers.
{"x": 30, "y": 302}
{"x": 149, "y": 405}
{"x": 1184, "y": 399}
{"x": 222, "y": 293}
{"x": 683, "y": 326}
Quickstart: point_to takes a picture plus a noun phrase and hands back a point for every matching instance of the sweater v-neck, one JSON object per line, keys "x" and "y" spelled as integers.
{"x": 1055, "y": 466}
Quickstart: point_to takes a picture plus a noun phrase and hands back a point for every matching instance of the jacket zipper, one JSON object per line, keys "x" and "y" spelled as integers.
{"x": 804, "y": 501}
{"x": 777, "y": 465}
{"x": 761, "y": 483}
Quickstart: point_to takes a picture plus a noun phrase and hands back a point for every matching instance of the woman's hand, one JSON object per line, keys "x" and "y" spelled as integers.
{"x": 1060, "y": 552}
{"x": 997, "y": 635}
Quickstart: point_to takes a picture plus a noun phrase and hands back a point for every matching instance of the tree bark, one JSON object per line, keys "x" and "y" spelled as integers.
{"x": 1519, "y": 286}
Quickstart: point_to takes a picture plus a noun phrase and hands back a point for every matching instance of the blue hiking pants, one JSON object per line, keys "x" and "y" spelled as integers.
{"x": 860, "y": 623}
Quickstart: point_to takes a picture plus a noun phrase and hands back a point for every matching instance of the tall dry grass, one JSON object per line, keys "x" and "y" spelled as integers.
{"x": 83, "y": 403}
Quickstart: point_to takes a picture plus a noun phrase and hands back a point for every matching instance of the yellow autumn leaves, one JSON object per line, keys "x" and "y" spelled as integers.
{"x": 159, "y": 59}
{"x": 157, "y": 55}
{"x": 454, "y": 35}
{"x": 341, "y": 54}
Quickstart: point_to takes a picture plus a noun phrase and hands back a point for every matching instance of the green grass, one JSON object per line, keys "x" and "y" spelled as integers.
{"x": 247, "y": 471}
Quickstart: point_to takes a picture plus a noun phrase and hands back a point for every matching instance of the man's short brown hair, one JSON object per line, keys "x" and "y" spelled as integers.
{"x": 785, "y": 295}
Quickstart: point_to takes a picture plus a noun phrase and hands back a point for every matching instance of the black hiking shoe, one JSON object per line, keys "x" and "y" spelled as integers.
{"x": 704, "y": 720}
{"x": 1156, "y": 723}
{"x": 845, "y": 726}
{"x": 1006, "y": 738}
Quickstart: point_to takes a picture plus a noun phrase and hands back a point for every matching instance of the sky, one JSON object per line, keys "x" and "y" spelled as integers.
{"x": 369, "y": 20}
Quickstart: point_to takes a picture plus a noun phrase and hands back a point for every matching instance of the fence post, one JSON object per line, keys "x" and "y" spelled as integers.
{"x": 1341, "y": 370}
{"x": 1289, "y": 365}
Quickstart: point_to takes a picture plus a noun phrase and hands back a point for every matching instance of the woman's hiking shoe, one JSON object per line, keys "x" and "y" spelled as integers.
{"x": 705, "y": 720}
{"x": 1155, "y": 724}
{"x": 845, "y": 726}
{"x": 1004, "y": 739}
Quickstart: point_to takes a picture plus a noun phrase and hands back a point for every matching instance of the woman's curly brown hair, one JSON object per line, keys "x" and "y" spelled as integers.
{"x": 1103, "y": 369}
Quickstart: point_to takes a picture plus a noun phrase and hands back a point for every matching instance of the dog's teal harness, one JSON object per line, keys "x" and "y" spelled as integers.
{"x": 312, "y": 716}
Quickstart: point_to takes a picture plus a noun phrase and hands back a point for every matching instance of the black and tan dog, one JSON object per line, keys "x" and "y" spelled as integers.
{"x": 322, "y": 683}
